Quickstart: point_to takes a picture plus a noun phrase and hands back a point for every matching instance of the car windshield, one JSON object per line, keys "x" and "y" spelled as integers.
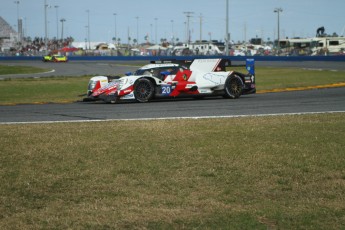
{"x": 157, "y": 71}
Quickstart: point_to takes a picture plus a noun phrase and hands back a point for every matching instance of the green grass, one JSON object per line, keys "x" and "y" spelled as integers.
{"x": 67, "y": 89}
{"x": 8, "y": 69}
{"x": 284, "y": 172}
{"x": 40, "y": 90}
{"x": 268, "y": 78}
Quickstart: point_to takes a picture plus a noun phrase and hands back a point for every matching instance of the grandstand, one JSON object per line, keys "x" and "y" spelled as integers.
{"x": 8, "y": 36}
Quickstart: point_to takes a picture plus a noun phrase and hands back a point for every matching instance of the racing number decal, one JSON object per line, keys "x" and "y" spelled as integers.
{"x": 166, "y": 90}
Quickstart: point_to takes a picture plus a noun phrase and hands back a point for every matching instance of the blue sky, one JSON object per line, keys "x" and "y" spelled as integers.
{"x": 248, "y": 18}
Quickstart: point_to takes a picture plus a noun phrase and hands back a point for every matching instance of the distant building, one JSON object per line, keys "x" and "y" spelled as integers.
{"x": 8, "y": 36}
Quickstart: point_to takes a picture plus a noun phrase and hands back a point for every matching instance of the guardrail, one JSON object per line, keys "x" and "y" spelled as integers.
{"x": 340, "y": 58}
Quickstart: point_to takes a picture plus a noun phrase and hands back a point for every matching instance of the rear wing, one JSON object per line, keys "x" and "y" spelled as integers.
{"x": 210, "y": 65}
{"x": 216, "y": 65}
{"x": 185, "y": 63}
{"x": 207, "y": 65}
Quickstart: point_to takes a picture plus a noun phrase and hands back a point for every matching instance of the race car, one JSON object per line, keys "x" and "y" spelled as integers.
{"x": 198, "y": 78}
{"x": 54, "y": 58}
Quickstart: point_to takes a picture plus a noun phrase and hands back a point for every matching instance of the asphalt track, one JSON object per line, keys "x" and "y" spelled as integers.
{"x": 80, "y": 68}
{"x": 74, "y": 68}
{"x": 305, "y": 101}
{"x": 309, "y": 101}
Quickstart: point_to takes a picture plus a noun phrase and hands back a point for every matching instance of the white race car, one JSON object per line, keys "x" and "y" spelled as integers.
{"x": 197, "y": 78}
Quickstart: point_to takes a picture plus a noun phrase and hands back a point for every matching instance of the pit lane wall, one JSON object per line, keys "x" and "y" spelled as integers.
{"x": 340, "y": 58}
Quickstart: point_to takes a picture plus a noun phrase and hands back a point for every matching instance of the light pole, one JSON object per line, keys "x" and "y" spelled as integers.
{"x": 278, "y": 11}
{"x": 62, "y": 21}
{"x": 25, "y": 28}
{"x": 115, "y": 26}
{"x": 137, "y": 30}
{"x": 185, "y": 30}
{"x": 18, "y": 27}
{"x": 227, "y": 29}
{"x": 57, "y": 22}
{"x": 45, "y": 24}
{"x": 188, "y": 15}
{"x": 172, "y": 32}
{"x": 156, "y": 30}
{"x": 151, "y": 34}
{"x": 200, "y": 27}
{"x": 88, "y": 27}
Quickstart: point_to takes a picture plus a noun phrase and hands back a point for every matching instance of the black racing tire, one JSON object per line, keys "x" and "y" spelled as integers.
{"x": 143, "y": 90}
{"x": 233, "y": 87}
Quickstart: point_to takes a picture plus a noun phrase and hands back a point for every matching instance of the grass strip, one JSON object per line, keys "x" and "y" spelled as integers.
{"x": 67, "y": 89}
{"x": 9, "y": 69}
{"x": 269, "y": 78}
{"x": 284, "y": 172}
{"x": 43, "y": 90}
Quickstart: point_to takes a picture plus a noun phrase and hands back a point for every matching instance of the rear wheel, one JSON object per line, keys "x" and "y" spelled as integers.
{"x": 233, "y": 87}
{"x": 143, "y": 90}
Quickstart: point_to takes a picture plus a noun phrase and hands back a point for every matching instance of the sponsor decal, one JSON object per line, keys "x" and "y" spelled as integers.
{"x": 185, "y": 77}
{"x": 205, "y": 60}
{"x": 249, "y": 79}
{"x": 215, "y": 78}
{"x": 128, "y": 96}
{"x": 205, "y": 91}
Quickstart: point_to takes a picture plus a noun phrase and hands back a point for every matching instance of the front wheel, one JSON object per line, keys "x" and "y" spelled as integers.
{"x": 143, "y": 90}
{"x": 233, "y": 87}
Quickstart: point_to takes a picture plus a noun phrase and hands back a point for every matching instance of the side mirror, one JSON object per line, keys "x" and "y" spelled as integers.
{"x": 128, "y": 73}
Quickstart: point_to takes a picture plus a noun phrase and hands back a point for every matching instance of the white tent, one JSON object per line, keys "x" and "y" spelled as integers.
{"x": 93, "y": 45}
{"x": 156, "y": 47}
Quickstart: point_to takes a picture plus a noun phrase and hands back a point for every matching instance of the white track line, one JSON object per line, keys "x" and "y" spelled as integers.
{"x": 3, "y": 77}
{"x": 169, "y": 118}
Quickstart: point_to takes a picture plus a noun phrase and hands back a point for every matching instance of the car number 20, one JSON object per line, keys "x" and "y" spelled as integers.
{"x": 166, "y": 90}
